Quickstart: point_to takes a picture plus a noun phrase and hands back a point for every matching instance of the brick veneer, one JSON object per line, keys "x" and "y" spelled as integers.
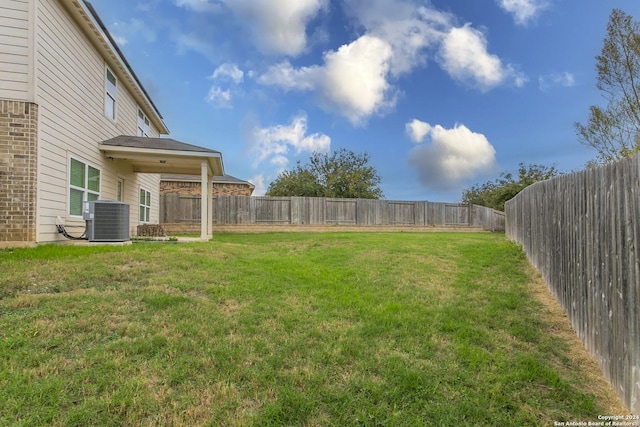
{"x": 18, "y": 170}
{"x": 192, "y": 188}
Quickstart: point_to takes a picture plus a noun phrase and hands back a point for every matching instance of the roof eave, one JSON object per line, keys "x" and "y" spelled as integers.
{"x": 132, "y": 154}
{"x": 86, "y": 17}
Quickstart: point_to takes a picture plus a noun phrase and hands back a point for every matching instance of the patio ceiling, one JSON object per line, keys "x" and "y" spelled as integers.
{"x": 162, "y": 155}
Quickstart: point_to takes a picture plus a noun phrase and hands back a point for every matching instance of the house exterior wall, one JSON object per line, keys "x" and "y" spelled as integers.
{"x": 15, "y": 49}
{"x": 18, "y": 171}
{"x": 70, "y": 91}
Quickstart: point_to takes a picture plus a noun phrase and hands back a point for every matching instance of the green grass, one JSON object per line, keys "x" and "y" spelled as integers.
{"x": 335, "y": 329}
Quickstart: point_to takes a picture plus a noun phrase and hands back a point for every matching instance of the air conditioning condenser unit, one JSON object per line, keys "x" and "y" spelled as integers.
{"x": 107, "y": 221}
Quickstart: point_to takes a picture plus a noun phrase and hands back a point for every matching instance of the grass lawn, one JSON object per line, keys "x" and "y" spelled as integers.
{"x": 327, "y": 329}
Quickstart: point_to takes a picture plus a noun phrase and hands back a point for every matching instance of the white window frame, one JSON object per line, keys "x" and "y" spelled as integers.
{"x": 144, "y": 128}
{"x": 144, "y": 205}
{"x": 110, "y": 95}
{"x": 87, "y": 193}
{"x": 120, "y": 189}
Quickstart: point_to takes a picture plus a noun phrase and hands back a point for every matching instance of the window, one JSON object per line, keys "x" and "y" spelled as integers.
{"x": 120, "y": 190}
{"x": 110, "y": 95}
{"x": 84, "y": 185}
{"x": 145, "y": 205}
{"x": 143, "y": 124}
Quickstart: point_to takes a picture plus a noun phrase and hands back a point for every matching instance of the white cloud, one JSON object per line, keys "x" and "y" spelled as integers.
{"x": 463, "y": 54}
{"x": 417, "y": 130}
{"x": 199, "y": 5}
{"x": 565, "y": 79}
{"x": 217, "y": 95}
{"x": 415, "y": 31}
{"x": 452, "y": 157}
{"x": 408, "y": 29}
{"x": 353, "y": 80}
{"x": 524, "y": 11}
{"x": 357, "y": 80}
{"x": 220, "y": 98}
{"x": 228, "y": 71}
{"x": 122, "y": 31}
{"x": 273, "y": 144}
{"x": 259, "y": 182}
{"x": 285, "y": 76}
{"x": 120, "y": 41}
{"x": 280, "y": 27}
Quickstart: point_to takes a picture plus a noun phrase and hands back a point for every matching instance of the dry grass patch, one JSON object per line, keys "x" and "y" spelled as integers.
{"x": 559, "y": 326}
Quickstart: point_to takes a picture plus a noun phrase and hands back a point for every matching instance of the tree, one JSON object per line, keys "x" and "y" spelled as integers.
{"x": 342, "y": 174}
{"x": 297, "y": 182}
{"x": 494, "y": 194}
{"x": 614, "y": 131}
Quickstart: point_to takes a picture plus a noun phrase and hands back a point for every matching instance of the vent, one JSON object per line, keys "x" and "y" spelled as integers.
{"x": 107, "y": 221}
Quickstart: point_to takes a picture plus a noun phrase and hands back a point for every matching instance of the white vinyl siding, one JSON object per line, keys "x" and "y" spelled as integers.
{"x": 72, "y": 122}
{"x": 14, "y": 49}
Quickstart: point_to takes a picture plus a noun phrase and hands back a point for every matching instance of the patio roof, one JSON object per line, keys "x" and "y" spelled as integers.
{"x": 162, "y": 155}
{"x": 166, "y": 155}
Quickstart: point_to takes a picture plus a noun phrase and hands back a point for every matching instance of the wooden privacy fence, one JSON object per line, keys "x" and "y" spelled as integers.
{"x": 236, "y": 210}
{"x": 582, "y": 232}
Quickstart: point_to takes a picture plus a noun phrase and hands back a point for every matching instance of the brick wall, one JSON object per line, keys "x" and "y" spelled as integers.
{"x": 18, "y": 171}
{"x": 190, "y": 188}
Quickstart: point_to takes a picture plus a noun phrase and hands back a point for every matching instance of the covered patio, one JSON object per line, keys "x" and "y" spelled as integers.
{"x": 168, "y": 156}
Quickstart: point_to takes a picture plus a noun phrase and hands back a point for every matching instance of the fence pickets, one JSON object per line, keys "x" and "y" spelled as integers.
{"x": 236, "y": 210}
{"x": 582, "y": 232}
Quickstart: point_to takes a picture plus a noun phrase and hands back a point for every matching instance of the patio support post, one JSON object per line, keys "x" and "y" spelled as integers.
{"x": 204, "y": 201}
{"x": 210, "y": 210}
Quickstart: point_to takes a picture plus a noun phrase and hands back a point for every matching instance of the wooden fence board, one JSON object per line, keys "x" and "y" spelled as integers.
{"x": 403, "y": 213}
{"x": 341, "y": 211}
{"x": 582, "y": 232}
{"x": 233, "y": 210}
{"x": 272, "y": 209}
{"x": 456, "y": 214}
{"x": 182, "y": 208}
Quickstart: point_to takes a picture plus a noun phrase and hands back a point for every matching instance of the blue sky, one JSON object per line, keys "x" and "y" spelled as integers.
{"x": 442, "y": 94}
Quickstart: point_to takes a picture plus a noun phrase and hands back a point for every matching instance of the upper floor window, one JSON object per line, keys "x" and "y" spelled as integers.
{"x": 110, "y": 94}
{"x": 84, "y": 185}
{"x": 143, "y": 124}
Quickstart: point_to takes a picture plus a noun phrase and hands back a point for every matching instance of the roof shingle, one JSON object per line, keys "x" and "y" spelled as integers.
{"x": 155, "y": 143}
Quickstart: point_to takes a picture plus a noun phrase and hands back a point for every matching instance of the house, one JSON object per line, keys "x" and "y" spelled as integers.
{"x": 189, "y": 185}
{"x": 77, "y": 125}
